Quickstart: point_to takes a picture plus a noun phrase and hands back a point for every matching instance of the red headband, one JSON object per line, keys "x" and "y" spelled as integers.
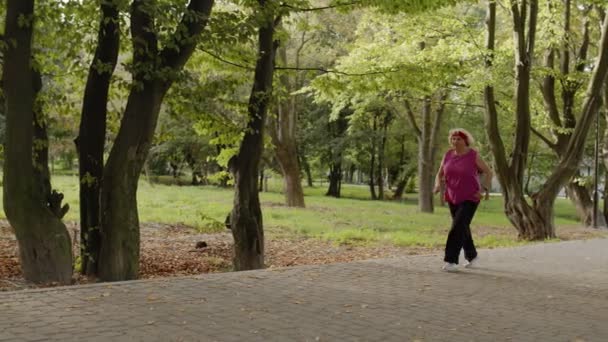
{"x": 463, "y": 136}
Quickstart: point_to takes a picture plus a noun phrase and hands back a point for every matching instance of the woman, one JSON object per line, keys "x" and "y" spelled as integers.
{"x": 460, "y": 170}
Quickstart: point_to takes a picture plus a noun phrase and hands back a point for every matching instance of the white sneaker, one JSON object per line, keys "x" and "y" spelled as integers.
{"x": 473, "y": 263}
{"x": 450, "y": 267}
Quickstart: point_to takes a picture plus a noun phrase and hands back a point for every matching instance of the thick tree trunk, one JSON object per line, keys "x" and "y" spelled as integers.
{"x": 92, "y": 134}
{"x": 532, "y": 223}
{"x": 528, "y": 222}
{"x": 284, "y": 139}
{"x": 45, "y": 250}
{"x": 536, "y": 224}
{"x": 246, "y": 217}
{"x": 425, "y": 187}
{"x": 580, "y": 197}
{"x": 565, "y": 125}
{"x": 425, "y": 163}
{"x": 119, "y": 253}
{"x": 335, "y": 180}
{"x": 292, "y": 183}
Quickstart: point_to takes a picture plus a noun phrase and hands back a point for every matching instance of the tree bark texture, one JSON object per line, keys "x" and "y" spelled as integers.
{"x": 283, "y": 137}
{"x": 45, "y": 249}
{"x": 92, "y": 134}
{"x": 119, "y": 253}
{"x": 246, "y": 217}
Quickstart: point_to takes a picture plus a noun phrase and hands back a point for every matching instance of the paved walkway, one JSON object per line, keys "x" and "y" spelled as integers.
{"x": 546, "y": 292}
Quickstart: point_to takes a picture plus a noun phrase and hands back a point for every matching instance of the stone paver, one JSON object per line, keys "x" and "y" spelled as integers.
{"x": 545, "y": 292}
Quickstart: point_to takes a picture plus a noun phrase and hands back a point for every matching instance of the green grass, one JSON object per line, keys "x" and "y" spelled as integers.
{"x": 352, "y": 219}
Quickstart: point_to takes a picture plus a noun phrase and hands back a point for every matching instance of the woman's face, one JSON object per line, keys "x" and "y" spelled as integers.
{"x": 457, "y": 141}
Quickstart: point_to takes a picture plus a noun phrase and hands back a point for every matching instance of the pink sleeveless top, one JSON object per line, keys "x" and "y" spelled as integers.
{"x": 461, "y": 177}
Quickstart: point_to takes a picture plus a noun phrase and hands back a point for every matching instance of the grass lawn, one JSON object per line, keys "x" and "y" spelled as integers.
{"x": 352, "y": 219}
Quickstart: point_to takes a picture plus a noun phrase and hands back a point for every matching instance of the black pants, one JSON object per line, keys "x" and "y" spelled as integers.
{"x": 460, "y": 233}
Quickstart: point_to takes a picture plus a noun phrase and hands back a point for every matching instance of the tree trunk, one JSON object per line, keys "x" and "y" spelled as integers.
{"x": 425, "y": 163}
{"x": 527, "y": 221}
{"x": 536, "y": 224}
{"x": 284, "y": 139}
{"x": 372, "y": 163}
{"x": 579, "y": 195}
{"x": 605, "y": 198}
{"x": 337, "y": 130}
{"x": 403, "y": 178}
{"x": 261, "y": 180}
{"x": 45, "y": 251}
{"x": 246, "y": 217}
{"x": 565, "y": 126}
{"x": 335, "y": 180}
{"x": 292, "y": 183}
{"x": 306, "y": 168}
{"x": 351, "y": 174}
{"x": 372, "y": 173}
{"x": 381, "y": 159}
{"x": 533, "y": 223}
{"x": 119, "y": 253}
{"x": 605, "y": 151}
{"x": 428, "y": 139}
{"x": 92, "y": 134}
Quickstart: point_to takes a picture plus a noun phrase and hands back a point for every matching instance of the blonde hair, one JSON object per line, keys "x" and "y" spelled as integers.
{"x": 470, "y": 140}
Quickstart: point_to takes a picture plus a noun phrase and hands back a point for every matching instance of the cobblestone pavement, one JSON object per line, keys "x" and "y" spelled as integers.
{"x": 545, "y": 292}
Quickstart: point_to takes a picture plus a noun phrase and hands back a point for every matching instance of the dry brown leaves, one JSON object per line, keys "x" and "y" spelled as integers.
{"x": 170, "y": 250}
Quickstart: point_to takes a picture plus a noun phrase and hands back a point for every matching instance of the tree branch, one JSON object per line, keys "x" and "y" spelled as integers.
{"x": 548, "y": 90}
{"x": 311, "y": 9}
{"x": 504, "y": 173}
{"x": 184, "y": 38}
{"x": 320, "y": 69}
{"x": 584, "y": 48}
{"x": 436, "y": 127}
{"x": 412, "y": 119}
{"x": 145, "y": 42}
{"x": 330, "y": 71}
{"x": 549, "y": 143}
